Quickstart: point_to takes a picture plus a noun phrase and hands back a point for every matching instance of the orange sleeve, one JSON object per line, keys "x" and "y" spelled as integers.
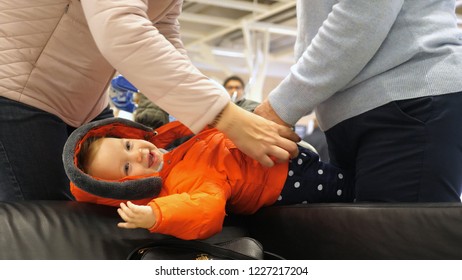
{"x": 196, "y": 215}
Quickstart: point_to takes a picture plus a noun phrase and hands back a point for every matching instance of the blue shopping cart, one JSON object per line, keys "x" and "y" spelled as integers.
{"x": 122, "y": 94}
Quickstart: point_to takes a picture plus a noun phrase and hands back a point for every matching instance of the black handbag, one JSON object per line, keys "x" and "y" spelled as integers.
{"x": 244, "y": 248}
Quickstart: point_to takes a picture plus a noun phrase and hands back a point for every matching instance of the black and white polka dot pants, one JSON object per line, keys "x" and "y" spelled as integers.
{"x": 310, "y": 181}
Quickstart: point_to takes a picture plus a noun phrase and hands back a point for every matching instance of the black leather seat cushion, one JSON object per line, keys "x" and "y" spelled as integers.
{"x": 59, "y": 230}
{"x": 54, "y": 230}
{"x": 362, "y": 231}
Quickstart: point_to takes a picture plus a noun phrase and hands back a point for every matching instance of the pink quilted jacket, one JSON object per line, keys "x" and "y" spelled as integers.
{"x": 60, "y": 55}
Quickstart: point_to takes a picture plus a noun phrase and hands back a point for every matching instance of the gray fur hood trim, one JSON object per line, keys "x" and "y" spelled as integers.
{"x": 147, "y": 187}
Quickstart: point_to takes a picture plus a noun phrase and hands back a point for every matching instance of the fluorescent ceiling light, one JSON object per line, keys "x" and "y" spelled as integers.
{"x": 228, "y": 53}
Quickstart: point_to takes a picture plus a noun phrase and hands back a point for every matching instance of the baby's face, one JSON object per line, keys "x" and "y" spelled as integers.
{"x": 116, "y": 158}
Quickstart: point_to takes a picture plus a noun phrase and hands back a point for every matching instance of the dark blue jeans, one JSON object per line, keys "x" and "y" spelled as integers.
{"x": 31, "y": 146}
{"x": 404, "y": 151}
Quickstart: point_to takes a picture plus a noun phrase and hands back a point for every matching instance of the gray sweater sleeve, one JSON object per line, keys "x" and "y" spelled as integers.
{"x": 347, "y": 40}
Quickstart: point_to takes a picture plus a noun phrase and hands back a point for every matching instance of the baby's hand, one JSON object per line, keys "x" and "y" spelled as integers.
{"x": 136, "y": 216}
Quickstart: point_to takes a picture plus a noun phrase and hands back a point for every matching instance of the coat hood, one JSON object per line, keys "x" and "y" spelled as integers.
{"x": 87, "y": 188}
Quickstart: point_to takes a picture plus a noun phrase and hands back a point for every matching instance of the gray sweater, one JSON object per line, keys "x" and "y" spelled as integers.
{"x": 368, "y": 53}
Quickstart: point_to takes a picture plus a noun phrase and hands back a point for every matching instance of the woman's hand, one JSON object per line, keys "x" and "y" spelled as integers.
{"x": 136, "y": 216}
{"x": 259, "y": 138}
{"x": 265, "y": 110}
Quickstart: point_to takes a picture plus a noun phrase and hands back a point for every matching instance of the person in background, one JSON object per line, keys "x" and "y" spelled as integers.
{"x": 149, "y": 114}
{"x": 236, "y": 89}
{"x": 56, "y": 61}
{"x": 384, "y": 80}
{"x": 201, "y": 179}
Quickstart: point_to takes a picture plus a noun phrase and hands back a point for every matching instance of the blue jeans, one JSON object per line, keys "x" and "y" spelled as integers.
{"x": 404, "y": 151}
{"x": 31, "y": 146}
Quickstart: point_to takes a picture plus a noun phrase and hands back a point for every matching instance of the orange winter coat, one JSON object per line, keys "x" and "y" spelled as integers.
{"x": 202, "y": 179}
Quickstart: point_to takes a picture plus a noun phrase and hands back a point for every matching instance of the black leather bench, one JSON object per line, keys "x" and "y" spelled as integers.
{"x": 54, "y": 230}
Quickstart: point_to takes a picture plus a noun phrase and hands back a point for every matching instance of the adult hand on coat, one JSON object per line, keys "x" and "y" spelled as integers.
{"x": 259, "y": 138}
{"x": 136, "y": 216}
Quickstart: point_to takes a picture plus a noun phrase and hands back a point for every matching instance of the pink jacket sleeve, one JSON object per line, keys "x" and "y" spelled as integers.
{"x": 151, "y": 56}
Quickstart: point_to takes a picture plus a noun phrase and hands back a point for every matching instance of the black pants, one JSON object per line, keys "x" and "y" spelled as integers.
{"x": 404, "y": 151}
{"x": 31, "y": 147}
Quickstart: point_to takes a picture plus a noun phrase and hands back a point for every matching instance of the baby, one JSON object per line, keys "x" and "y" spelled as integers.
{"x": 202, "y": 179}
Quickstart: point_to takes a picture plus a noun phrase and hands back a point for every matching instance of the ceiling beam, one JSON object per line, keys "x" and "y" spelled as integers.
{"x": 191, "y": 34}
{"x": 234, "y": 4}
{"x": 459, "y": 12}
{"x": 274, "y": 28}
{"x": 275, "y": 9}
{"x": 206, "y": 19}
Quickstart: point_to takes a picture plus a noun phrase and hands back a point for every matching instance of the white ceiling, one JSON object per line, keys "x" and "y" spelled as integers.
{"x": 221, "y": 34}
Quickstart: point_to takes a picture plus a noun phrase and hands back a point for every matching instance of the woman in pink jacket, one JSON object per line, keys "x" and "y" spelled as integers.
{"x": 56, "y": 60}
